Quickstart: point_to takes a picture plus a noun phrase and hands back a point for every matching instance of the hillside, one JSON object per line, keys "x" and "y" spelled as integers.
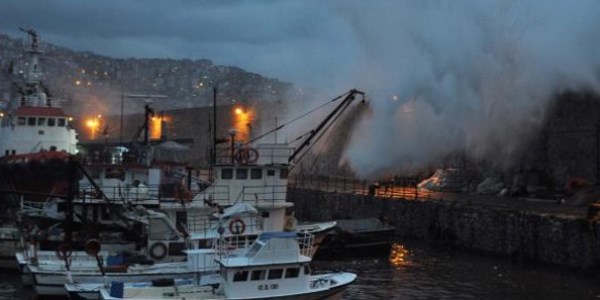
{"x": 90, "y": 84}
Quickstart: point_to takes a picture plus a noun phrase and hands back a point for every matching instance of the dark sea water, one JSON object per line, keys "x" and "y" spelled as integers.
{"x": 427, "y": 272}
{"x": 431, "y": 272}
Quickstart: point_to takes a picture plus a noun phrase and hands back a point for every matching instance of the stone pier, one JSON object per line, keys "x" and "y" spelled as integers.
{"x": 523, "y": 230}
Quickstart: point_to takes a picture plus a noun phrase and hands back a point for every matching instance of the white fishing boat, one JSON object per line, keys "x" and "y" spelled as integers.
{"x": 36, "y": 139}
{"x": 275, "y": 266}
{"x": 253, "y": 177}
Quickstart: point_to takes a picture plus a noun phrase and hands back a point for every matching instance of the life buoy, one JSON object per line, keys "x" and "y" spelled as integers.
{"x": 252, "y": 155}
{"x": 246, "y": 156}
{"x": 158, "y": 250}
{"x": 237, "y": 226}
{"x": 64, "y": 251}
{"x": 92, "y": 247}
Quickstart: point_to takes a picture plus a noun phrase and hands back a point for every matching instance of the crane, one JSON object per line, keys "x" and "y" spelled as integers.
{"x": 320, "y": 129}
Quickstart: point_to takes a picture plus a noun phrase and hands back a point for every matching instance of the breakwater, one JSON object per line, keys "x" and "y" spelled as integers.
{"x": 533, "y": 233}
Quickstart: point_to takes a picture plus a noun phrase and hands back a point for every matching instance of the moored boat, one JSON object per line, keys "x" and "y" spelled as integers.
{"x": 274, "y": 267}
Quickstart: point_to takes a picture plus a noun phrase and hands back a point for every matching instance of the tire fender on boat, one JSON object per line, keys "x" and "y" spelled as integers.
{"x": 64, "y": 251}
{"x": 158, "y": 250}
{"x": 92, "y": 247}
{"x": 237, "y": 226}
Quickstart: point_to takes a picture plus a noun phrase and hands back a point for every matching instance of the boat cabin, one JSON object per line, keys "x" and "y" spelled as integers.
{"x": 275, "y": 265}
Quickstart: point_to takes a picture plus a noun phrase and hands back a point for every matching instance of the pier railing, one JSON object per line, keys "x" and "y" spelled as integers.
{"x": 399, "y": 187}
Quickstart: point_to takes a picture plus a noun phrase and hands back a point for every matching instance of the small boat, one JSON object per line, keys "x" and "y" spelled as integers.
{"x": 273, "y": 267}
{"x": 357, "y": 236}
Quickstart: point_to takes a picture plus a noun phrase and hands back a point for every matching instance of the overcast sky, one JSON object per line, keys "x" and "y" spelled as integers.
{"x": 442, "y": 75}
{"x": 291, "y": 40}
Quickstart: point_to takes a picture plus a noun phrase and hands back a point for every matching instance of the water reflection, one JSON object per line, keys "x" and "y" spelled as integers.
{"x": 398, "y": 255}
{"x": 417, "y": 271}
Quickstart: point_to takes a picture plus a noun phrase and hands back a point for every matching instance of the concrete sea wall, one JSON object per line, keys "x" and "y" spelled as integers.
{"x": 561, "y": 239}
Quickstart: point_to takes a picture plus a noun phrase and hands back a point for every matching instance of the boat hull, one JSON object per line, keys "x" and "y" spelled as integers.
{"x": 53, "y": 284}
{"x": 324, "y": 294}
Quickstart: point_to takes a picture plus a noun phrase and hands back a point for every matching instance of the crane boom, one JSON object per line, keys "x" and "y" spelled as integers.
{"x": 350, "y": 96}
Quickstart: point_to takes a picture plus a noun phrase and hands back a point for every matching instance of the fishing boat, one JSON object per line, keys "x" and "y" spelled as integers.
{"x": 36, "y": 142}
{"x": 275, "y": 266}
{"x": 243, "y": 201}
{"x": 353, "y": 237}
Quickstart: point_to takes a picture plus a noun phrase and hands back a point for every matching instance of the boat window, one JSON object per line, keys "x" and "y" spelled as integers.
{"x": 227, "y": 174}
{"x": 21, "y": 121}
{"x": 283, "y": 173}
{"x": 51, "y": 121}
{"x": 240, "y": 276}
{"x": 270, "y": 172}
{"x": 241, "y": 173}
{"x": 258, "y": 275}
{"x": 31, "y": 121}
{"x": 41, "y": 121}
{"x": 204, "y": 243}
{"x": 306, "y": 269}
{"x": 62, "y": 122}
{"x": 292, "y": 272}
{"x": 117, "y": 173}
{"x": 255, "y": 173}
{"x": 275, "y": 273}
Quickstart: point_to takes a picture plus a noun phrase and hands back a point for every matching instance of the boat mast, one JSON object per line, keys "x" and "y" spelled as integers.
{"x": 34, "y": 89}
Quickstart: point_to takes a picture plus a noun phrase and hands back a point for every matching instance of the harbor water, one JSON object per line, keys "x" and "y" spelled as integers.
{"x": 419, "y": 271}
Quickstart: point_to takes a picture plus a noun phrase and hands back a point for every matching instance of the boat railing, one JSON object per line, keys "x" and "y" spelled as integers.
{"x": 305, "y": 241}
{"x": 119, "y": 194}
{"x": 227, "y": 246}
{"x": 261, "y": 194}
{"x": 217, "y": 193}
{"x": 201, "y": 227}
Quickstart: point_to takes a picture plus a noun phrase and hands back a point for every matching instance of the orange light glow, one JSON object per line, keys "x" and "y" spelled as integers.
{"x": 155, "y": 127}
{"x": 243, "y": 123}
{"x": 93, "y": 124}
{"x": 398, "y": 255}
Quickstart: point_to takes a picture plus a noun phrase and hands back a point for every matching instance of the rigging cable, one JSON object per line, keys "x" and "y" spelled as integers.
{"x": 296, "y": 119}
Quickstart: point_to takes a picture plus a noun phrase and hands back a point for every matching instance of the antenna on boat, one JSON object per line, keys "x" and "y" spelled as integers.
{"x": 148, "y": 98}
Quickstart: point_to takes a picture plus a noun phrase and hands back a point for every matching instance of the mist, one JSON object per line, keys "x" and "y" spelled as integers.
{"x": 441, "y": 76}
{"x": 474, "y": 77}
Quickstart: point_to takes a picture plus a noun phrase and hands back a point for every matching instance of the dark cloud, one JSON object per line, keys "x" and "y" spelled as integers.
{"x": 268, "y": 37}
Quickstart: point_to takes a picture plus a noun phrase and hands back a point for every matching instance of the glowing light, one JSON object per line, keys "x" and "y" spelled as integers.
{"x": 92, "y": 123}
{"x": 1, "y": 115}
{"x": 398, "y": 255}
{"x": 70, "y": 119}
{"x": 78, "y": 82}
{"x": 243, "y": 123}
{"x": 156, "y": 127}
